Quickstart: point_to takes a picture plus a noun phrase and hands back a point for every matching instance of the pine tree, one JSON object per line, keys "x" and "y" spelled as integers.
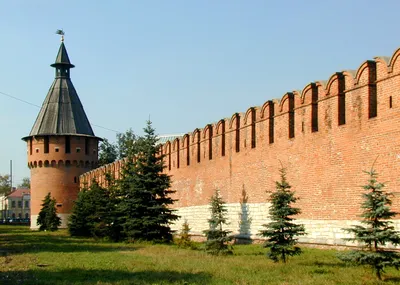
{"x": 377, "y": 231}
{"x": 144, "y": 191}
{"x": 48, "y": 219}
{"x": 184, "y": 239}
{"x": 93, "y": 212}
{"x": 281, "y": 232}
{"x": 217, "y": 238}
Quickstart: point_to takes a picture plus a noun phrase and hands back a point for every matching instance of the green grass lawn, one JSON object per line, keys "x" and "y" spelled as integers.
{"x": 28, "y": 257}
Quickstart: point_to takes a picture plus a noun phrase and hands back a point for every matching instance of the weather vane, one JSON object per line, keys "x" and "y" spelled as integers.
{"x": 61, "y": 32}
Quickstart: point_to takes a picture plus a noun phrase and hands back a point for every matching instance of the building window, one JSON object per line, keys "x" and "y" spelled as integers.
{"x": 46, "y": 144}
{"x": 67, "y": 144}
{"x": 12, "y": 204}
{"x": 19, "y": 204}
{"x": 26, "y": 204}
{"x": 56, "y": 149}
{"x": 37, "y": 150}
{"x": 86, "y": 146}
{"x": 78, "y": 150}
{"x": 26, "y": 216}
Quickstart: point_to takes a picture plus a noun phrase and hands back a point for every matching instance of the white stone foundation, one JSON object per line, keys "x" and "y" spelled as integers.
{"x": 64, "y": 221}
{"x": 246, "y": 221}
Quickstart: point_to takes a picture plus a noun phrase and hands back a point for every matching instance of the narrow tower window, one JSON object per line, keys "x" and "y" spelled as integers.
{"x": 390, "y": 102}
{"x": 198, "y": 146}
{"x": 177, "y": 153}
{"x": 67, "y": 144}
{"x": 46, "y": 144}
{"x": 314, "y": 109}
{"x": 169, "y": 156}
{"x": 86, "y": 146}
{"x": 30, "y": 146}
{"x": 341, "y": 101}
{"x": 253, "y": 128}
{"x": 237, "y": 133}
{"x": 291, "y": 116}
{"x": 210, "y": 134}
{"x": 187, "y": 150}
{"x": 223, "y": 138}
{"x": 271, "y": 121}
{"x": 372, "y": 96}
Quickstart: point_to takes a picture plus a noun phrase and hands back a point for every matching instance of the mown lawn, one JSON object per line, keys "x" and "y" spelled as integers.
{"x": 28, "y": 257}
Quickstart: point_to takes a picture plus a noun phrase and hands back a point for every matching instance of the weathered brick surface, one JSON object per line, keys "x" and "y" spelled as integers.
{"x": 58, "y": 172}
{"x": 324, "y": 163}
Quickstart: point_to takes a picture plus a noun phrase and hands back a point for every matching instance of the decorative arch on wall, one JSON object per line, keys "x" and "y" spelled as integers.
{"x": 196, "y": 136}
{"x": 339, "y": 77}
{"x": 177, "y": 148}
{"x": 236, "y": 119}
{"x": 208, "y": 131}
{"x": 168, "y": 151}
{"x": 269, "y": 107}
{"x": 186, "y": 141}
{"x": 291, "y": 123}
{"x": 370, "y": 66}
{"x": 312, "y": 89}
{"x": 221, "y": 131}
{"x": 251, "y": 113}
{"x": 394, "y": 61}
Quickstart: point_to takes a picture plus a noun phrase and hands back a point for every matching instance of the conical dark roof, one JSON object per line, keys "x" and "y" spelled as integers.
{"x": 62, "y": 57}
{"x": 62, "y": 112}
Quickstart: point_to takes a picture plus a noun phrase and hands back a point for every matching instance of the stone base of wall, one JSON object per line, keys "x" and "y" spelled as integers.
{"x": 246, "y": 220}
{"x": 64, "y": 221}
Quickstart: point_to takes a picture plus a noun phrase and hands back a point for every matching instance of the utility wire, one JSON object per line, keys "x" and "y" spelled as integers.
{"x": 29, "y": 103}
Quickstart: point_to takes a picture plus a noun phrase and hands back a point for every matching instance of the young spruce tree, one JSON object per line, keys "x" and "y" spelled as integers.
{"x": 184, "y": 239}
{"x": 93, "y": 212}
{"x": 48, "y": 219}
{"x": 144, "y": 207}
{"x": 217, "y": 238}
{"x": 377, "y": 231}
{"x": 281, "y": 232}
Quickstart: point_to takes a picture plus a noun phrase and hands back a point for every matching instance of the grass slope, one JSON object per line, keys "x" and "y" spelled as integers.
{"x": 28, "y": 257}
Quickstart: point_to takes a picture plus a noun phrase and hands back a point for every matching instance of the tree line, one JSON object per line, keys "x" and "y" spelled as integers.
{"x": 138, "y": 207}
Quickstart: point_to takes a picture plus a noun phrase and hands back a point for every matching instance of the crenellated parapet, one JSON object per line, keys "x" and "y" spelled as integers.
{"x": 325, "y": 135}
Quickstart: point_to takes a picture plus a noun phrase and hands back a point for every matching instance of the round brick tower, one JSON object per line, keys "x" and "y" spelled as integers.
{"x": 61, "y": 144}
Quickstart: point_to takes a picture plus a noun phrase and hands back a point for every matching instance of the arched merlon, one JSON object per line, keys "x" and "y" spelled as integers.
{"x": 267, "y": 120}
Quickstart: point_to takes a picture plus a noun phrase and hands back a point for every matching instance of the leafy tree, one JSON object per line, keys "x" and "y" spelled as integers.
{"x": 108, "y": 152}
{"x": 5, "y": 184}
{"x": 93, "y": 213}
{"x": 126, "y": 144}
{"x": 217, "y": 238}
{"x": 26, "y": 183}
{"x": 184, "y": 239}
{"x": 281, "y": 232}
{"x": 48, "y": 219}
{"x": 144, "y": 193}
{"x": 377, "y": 231}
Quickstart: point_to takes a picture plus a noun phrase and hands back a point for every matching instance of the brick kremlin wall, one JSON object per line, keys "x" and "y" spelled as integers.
{"x": 324, "y": 135}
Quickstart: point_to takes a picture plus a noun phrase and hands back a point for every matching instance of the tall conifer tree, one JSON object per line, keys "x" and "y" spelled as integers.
{"x": 217, "y": 238}
{"x": 377, "y": 232}
{"x": 48, "y": 219}
{"x": 281, "y": 232}
{"x": 144, "y": 207}
{"x": 93, "y": 212}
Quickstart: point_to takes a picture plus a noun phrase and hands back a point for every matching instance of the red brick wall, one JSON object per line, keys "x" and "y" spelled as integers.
{"x": 58, "y": 172}
{"x": 324, "y": 163}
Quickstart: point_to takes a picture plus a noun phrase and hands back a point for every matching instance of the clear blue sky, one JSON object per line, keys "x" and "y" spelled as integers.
{"x": 185, "y": 63}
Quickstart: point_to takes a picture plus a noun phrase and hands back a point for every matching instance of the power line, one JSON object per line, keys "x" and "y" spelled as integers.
{"x": 29, "y": 103}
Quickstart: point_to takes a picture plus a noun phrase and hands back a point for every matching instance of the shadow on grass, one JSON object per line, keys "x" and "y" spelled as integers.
{"x": 89, "y": 277}
{"x": 317, "y": 264}
{"x": 19, "y": 240}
